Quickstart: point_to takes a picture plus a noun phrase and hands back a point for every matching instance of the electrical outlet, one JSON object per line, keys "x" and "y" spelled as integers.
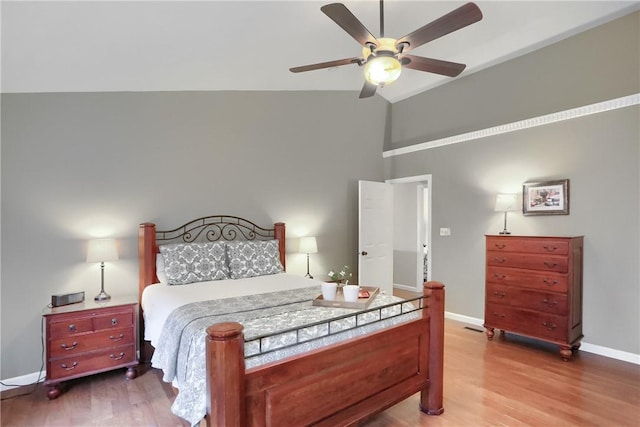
{"x": 445, "y": 231}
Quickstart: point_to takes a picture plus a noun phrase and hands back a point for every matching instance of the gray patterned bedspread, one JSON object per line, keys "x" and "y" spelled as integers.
{"x": 181, "y": 349}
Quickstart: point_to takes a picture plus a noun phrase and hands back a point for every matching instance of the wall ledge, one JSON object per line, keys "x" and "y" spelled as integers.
{"x": 574, "y": 113}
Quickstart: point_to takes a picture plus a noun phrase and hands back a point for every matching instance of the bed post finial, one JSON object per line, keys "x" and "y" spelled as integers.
{"x": 431, "y": 399}
{"x": 225, "y": 375}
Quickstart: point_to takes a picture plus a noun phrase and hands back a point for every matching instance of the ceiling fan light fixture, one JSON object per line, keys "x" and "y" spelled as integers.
{"x": 382, "y": 70}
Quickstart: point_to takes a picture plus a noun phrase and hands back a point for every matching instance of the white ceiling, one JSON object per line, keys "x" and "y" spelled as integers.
{"x": 89, "y": 46}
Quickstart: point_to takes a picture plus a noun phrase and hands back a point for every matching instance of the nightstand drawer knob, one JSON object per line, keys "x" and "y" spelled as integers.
{"x": 549, "y": 303}
{"x": 72, "y": 328}
{"x": 550, "y": 248}
{"x": 500, "y": 260}
{"x": 118, "y": 357}
{"x": 500, "y": 315}
{"x": 118, "y": 338}
{"x": 500, "y": 294}
{"x": 549, "y": 326}
{"x": 550, "y": 264}
{"x": 69, "y": 347}
{"x": 550, "y": 282}
{"x": 68, "y": 368}
{"x": 114, "y": 321}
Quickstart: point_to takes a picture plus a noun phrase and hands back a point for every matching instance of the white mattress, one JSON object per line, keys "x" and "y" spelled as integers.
{"x": 160, "y": 299}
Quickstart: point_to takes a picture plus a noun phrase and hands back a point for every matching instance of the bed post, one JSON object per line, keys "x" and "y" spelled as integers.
{"x": 147, "y": 276}
{"x": 225, "y": 375}
{"x": 431, "y": 398}
{"x": 279, "y": 233}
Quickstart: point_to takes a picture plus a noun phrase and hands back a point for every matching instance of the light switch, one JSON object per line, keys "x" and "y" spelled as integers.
{"x": 445, "y": 231}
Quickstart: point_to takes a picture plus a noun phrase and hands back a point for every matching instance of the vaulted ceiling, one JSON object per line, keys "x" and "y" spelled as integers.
{"x": 91, "y": 46}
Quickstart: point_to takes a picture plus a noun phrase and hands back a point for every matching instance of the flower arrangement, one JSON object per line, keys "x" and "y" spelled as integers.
{"x": 342, "y": 276}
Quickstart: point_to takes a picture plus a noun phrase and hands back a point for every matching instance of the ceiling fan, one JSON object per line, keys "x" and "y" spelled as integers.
{"x": 383, "y": 58}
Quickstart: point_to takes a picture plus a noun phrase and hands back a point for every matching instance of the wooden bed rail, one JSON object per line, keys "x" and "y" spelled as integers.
{"x": 340, "y": 386}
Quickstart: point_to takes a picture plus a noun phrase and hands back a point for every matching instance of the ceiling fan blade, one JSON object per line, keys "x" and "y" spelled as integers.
{"x": 328, "y": 64}
{"x": 452, "y": 21}
{"x": 446, "y": 68}
{"x": 348, "y": 22}
{"x": 368, "y": 90}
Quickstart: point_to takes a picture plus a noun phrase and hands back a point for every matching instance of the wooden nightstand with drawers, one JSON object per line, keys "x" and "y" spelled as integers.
{"x": 88, "y": 338}
{"x": 534, "y": 288}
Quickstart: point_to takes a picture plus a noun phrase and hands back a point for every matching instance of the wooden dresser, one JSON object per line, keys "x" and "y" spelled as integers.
{"x": 534, "y": 288}
{"x": 88, "y": 338}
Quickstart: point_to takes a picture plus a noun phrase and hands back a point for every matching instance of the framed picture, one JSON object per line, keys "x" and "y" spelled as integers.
{"x": 546, "y": 198}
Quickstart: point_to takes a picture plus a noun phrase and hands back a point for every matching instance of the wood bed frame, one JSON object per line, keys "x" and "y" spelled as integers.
{"x": 338, "y": 385}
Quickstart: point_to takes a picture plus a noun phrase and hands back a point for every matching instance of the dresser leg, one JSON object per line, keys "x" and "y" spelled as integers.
{"x": 565, "y": 353}
{"x": 132, "y": 372}
{"x": 490, "y": 332}
{"x": 54, "y": 391}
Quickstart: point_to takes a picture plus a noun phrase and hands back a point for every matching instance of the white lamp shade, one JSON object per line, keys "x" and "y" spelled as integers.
{"x": 506, "y": 203}
{"x": 308, "y": 245}
{"x": 101, "y": 250}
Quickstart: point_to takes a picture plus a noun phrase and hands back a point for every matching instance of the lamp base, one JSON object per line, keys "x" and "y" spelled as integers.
{"x": 102, "y": 296}
{"x": 308, "y": 275}
{"x": 505, "y": 232}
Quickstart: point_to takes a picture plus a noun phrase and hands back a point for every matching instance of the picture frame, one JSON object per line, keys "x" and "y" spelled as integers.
{"x": 545, "y": 197}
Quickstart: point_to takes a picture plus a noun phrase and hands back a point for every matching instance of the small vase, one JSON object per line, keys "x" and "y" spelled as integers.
{"x": 329, "y": 291}
{"x": 350, "y": 293}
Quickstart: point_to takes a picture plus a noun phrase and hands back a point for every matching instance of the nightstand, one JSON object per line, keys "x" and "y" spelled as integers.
{"x": 90, "y": 337}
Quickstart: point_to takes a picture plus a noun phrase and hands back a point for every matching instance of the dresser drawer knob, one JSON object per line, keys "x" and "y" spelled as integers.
{"x": 500, "y": 294}
{"x": 68, "y": 368}
{"x": 550, "y": 282}
{"x": 114, "y": 321}
{"x": 500, "y": 315}
{"x": 550, "y": 248}
{"x": 549, "y": 326}
{"x": 549, "y": 303}
{"x": 118, "y": 338}
{"x": 550, "y": 264}
{"x": 72, "y": 327}
{"x": 500, "y": 245}
{"x": 500, "y": 260}
{"x": 500, "y": 276}
{"x": 69, "y": 347}
{"x": 118, "y": 357}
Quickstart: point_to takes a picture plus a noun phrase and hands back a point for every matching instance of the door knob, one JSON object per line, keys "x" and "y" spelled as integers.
{"x": 363, "y": 253}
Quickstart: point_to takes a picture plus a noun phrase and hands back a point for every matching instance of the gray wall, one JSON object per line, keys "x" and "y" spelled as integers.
{"x": 599, "y": 153}
{"x": 78, "y": 165}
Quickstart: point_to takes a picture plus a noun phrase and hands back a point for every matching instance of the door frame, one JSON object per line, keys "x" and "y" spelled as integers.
{"x": 428, "y": 182}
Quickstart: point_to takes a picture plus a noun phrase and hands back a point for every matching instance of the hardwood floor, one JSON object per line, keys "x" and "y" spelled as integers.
{"x": 511, "y": 381}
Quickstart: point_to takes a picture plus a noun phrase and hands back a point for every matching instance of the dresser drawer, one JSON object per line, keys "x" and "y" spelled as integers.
{"x": 551, "y": 281}
{"x": 558, "y": 264}
{"x": 532, "y": 246}
{"x": 64, "y": 347}
{"x": 68, "y": 327}
{"x": 526, "y": 322}
{"x": 113, "y": 320}
{"x": 91, "y": 362}
{"x": 527, "y": 298}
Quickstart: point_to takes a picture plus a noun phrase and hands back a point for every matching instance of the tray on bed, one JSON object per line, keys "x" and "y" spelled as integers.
{"x": 362, "y": 303}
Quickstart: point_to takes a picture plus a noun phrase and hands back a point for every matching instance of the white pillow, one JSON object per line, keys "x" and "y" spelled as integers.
{"x": 162, "y": 277}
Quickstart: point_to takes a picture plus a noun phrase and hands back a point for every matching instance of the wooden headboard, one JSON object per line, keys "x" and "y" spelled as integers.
{"x": 206, "y": 229}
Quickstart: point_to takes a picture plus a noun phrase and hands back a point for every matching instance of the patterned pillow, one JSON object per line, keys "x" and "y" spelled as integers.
{"x": 254, "y": 258}
{"x": 194, "y": 262}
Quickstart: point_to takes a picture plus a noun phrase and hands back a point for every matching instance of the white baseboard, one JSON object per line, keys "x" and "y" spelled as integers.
{"x": 589, "y": 348}
{"x": 23, "y": 380}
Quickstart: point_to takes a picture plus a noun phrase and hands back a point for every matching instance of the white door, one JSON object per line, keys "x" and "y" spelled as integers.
{"x": 375, "y": 235}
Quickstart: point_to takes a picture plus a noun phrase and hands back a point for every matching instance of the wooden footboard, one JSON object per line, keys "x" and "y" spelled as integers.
{"x": 338, "y": 385}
